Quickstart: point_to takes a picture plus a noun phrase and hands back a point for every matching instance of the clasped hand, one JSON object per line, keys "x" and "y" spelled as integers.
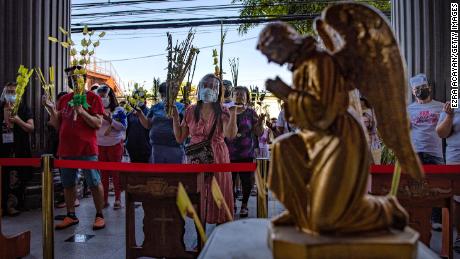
{"x": 47, "y": 102}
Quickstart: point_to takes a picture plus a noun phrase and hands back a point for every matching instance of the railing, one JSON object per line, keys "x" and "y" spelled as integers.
{"x": 106, "y": 68}
{"x": 47, "y": 163}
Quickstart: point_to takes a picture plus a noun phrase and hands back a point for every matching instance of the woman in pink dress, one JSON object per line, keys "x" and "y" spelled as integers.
{"x": 197, "y": 123}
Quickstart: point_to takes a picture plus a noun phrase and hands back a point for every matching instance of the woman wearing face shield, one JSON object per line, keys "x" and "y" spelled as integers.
{"x": 15, "y": 143}
{"x": 198, "y": 123}
{"x": 110, "y": 139}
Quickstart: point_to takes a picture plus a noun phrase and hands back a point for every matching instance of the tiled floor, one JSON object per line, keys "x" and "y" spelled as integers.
{"x": 109, "y": 242}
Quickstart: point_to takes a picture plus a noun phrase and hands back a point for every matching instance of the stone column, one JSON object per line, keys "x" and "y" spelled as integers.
{"x": 423, "y": 30}
{"x": 24, "y": 29}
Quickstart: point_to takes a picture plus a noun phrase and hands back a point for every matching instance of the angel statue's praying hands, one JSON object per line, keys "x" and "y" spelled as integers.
{"x": 320, "y": 172}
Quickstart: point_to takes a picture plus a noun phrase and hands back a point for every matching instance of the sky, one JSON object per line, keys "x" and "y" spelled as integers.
{"x": 128, "y": 44}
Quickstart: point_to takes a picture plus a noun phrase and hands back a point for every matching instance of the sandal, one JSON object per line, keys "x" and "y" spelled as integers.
{"x": 117, "y": 205}
{"x": 244, "y": 212}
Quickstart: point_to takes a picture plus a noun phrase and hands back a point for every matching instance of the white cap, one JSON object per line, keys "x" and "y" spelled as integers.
{"x": 418, "y": 80}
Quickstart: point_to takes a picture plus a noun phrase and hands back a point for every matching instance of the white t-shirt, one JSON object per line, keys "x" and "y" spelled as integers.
{"x": 453, "y": 141}
{"x": 423, "y": 120}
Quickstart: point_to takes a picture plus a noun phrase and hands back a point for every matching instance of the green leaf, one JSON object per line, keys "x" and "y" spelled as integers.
{"x": 84, "y": 42}
{"x": 63, "y": 30}
{"x": 53, "y": 39}
{"x": 102, "y": 34}
{"x": 70, "y": 41}
{"x": 91, "y": 52}
{"x": 96, "y": 44}
{"x": 65, "y": 44}
{"x": 85, "y": 30}
{"x": 82, "y": 62}
{"x": 73, "y": 52}
{"x": 91, "y": 33}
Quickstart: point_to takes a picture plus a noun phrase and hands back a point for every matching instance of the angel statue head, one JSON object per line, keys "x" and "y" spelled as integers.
{"x": 282, "y": 44}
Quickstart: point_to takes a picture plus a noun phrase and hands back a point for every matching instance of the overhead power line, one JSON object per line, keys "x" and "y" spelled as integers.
{"x": 164, "y": 54}
{"x": 136, "y": 2}
{"x": 182, "y": 9}
{"x": 188, "y": 19}
{"x": 186, "y": 23}
{"x": 111, "y": 4}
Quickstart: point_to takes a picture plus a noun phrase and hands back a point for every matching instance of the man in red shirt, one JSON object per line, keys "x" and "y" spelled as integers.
{"x": 78, "y": 141}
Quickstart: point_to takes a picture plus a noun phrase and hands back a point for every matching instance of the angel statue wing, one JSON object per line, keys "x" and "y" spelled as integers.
{"x": 365, "y": 47}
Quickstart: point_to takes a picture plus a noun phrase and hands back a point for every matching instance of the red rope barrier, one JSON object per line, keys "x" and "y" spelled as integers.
{"x": 429, "y": 169}
{"x": 32, "y": 162}
{"x": 191, "y": 168}
{"x": 155, "y": 168}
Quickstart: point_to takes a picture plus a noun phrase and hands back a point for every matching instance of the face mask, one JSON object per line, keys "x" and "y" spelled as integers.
{"x": 422, "y": 94}
{"x": 207, "y": 95}
{"x": 11, "y": 98}
{"x": 105, "y": 101}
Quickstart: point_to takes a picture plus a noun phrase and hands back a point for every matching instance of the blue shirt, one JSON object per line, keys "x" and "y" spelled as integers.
{"x": 137, "y": 137}
{"x": 162, "y": 132}
{"x": 158, "y": 110}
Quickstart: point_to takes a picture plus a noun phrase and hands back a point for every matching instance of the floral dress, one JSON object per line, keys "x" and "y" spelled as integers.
{"x": 199, "y": 131}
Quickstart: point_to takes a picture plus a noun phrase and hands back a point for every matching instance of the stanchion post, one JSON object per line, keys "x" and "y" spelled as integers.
{"x": 47, "y": 207}
{"x": 262, "y": 200}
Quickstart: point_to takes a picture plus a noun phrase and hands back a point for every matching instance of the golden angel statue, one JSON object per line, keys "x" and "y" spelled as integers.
{"x": 320, "y": 173}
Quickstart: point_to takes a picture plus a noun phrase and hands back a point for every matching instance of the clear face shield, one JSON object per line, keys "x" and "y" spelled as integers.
{"x": 208, "y": 89}
{"x": 8, "y": 94}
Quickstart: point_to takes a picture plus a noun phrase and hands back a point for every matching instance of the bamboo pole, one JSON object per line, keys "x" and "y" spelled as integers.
{"x": 222, "y": 39}
{"x": 262, "y": 194}
{"x": 395, "y": 180}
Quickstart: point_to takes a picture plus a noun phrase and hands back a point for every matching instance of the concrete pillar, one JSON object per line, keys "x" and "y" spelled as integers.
{"x": 423, "y": 30}
{"x": 24, "y": 29}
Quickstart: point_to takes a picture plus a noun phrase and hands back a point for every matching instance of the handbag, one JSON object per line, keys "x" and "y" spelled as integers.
{"x": 201, "y": 153}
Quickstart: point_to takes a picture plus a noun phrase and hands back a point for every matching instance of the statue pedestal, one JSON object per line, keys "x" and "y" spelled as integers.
{"x": 248, "y": 239}
{"x": 288, "y": 242}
